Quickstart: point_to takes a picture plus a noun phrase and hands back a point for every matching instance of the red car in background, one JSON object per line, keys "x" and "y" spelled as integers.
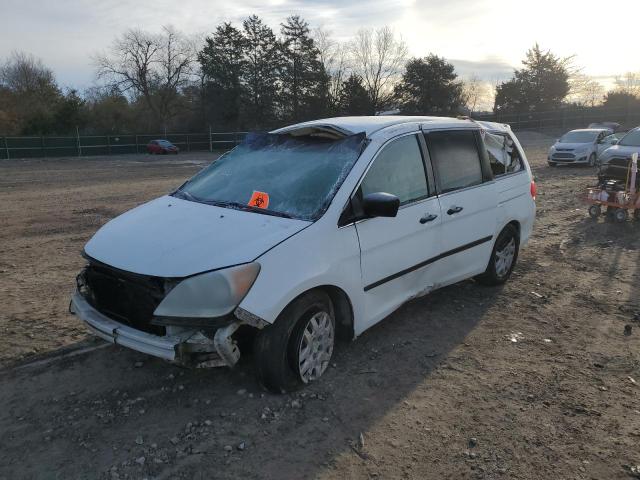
{"x": 161, "y": 147}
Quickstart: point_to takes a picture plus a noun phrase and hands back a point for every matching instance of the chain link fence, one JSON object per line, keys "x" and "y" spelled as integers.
{"x": 559, "y": 120}
{"x": 564, "y": 118}
{"x": 89, "y": 145}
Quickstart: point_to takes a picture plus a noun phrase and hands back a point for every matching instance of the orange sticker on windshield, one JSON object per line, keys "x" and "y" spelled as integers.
{"x": 259, "y": 199}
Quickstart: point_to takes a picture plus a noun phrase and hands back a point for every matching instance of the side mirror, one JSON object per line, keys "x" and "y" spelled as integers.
{"x": 380, "y": 204}
{"x": 614, "y": 142}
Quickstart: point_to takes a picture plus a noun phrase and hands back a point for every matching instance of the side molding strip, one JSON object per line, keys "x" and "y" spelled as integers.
{"x": 427, "y": 262}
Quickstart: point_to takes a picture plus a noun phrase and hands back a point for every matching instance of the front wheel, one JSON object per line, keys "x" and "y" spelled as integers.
{"x": 503, "y": 257}
{"x": 297, "y": 348}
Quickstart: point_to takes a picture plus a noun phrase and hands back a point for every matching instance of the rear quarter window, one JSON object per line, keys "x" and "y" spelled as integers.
{"x": 503, "y": 154}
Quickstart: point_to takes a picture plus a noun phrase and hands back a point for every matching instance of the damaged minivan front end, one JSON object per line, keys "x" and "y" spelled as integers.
{"x": 190, "y": 321}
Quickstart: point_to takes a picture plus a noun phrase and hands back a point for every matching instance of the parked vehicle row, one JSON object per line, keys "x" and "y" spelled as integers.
{"x": 306, "y": 234}
{"x": 583, "y": 146}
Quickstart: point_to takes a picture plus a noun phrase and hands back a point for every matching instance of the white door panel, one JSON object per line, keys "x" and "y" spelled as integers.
{"x": 467, "y": 234}
{"x": 397, "y": 256}
{"x": 396, "y": 253}
{"x": 468, "y": 201}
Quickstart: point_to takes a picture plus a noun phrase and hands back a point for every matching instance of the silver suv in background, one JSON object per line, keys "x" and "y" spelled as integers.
{"x": 577, "y": 146}
{"x": 614, "y": 161}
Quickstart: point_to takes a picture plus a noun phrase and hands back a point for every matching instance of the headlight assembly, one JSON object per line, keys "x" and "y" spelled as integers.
{"x": 211, "y": 294}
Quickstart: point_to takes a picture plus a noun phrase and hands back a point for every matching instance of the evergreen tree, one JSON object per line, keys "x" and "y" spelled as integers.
{"x": 304, "y": 80}
{"x": 429, "y": 85}
{"x": 353, "y": 98}
{"x": 261, "y": 79}
{"x": 541, "y": 85}
{"x": 621, "y": 100}
{"x": 223, "y": 64}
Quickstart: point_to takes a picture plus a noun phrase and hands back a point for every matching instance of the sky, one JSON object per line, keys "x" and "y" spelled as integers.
{"x": 487, "y": 38}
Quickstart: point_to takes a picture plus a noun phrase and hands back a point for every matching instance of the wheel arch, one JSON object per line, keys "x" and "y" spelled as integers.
{"x": 342, "y": 307}
{"x": 515, "y": 224}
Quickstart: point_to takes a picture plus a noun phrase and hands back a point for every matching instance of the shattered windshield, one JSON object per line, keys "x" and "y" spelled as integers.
{"x": 277, "y": 174}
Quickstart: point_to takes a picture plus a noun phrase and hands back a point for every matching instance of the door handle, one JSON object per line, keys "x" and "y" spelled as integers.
{"x": 453, "y": 210}
{"x": 428, "y": 218}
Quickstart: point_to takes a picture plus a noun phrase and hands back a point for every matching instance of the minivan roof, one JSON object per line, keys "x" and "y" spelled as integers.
{"x": 372, "y": 124}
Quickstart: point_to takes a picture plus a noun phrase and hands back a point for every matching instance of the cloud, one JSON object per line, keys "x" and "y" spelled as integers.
{"x": 491, "y": 69}
{"x": 482, "y": 37}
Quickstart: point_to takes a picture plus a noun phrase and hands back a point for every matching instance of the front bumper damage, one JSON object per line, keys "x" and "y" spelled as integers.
{"x": 186, "y": 346}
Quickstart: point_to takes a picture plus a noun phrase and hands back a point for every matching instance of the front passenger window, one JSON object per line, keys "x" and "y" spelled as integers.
{"x": 398, "y": 169}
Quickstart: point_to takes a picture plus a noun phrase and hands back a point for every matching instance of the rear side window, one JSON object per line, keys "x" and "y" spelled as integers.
{"x": 503, "y": 154}
{"x": 398, "y": 169}
{"x": 455, "y": 159}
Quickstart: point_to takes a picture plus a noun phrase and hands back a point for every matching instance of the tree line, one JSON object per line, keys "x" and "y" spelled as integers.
{"x": 248, "y": 77}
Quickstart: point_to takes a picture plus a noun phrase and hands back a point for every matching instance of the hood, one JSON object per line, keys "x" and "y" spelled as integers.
{"x": 171, "y": 237}
{"x": 620, "y": 151}
{"x": 571, "y": 146}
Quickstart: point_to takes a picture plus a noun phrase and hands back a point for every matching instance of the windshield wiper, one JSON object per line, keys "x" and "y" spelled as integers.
{"x": 250, "y": 208}
{"x": 183, "y": 194}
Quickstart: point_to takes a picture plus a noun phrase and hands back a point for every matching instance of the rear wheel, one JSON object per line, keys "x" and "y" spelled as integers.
{"x": 621, "y": 215}
{"x": 297, "y": 348}
{"x": 595, "y": 211}
{"x": 503, "y": 257}
{"x": 592, "y": 160}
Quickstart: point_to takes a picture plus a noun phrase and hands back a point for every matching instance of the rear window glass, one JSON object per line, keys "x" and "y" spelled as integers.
{"x": 455, "y": 159}
{"x": 503, "y": 154}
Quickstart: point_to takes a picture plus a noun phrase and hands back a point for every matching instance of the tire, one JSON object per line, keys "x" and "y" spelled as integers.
{"x": 592, "y": 160}
{"x": 279, "y": 349}
{"x": 500, "y": 267}
{"x": 595, "y": 211}
{"x": 552, "y": 164}
{"x": 621, "y": 215}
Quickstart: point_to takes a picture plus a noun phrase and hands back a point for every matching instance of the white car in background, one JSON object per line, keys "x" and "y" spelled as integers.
{"x": 577, "y": 146}
{"x": 312, "y": 232}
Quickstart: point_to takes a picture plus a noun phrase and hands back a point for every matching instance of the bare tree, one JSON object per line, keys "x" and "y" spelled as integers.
{"x": 29, "y": 96}
{"x": 155, "y": 67}
{"x": 23, "y": 73}
{"x": 584, "y": 90}
{"x": 334, "y": 57}
{"x": 378, "y": 57}
{"x": 476, "y": 94}
{"x": 629, "y": 83}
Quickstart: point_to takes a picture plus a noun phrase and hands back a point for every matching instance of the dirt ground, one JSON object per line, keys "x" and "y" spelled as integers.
{"x": 535, "y": 380}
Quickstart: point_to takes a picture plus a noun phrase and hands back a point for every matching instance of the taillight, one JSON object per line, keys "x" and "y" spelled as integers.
{"x": 533, "y": 190}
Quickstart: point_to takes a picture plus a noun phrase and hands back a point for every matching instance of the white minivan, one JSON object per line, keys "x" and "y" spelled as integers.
{"x": 310, "y": 233}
